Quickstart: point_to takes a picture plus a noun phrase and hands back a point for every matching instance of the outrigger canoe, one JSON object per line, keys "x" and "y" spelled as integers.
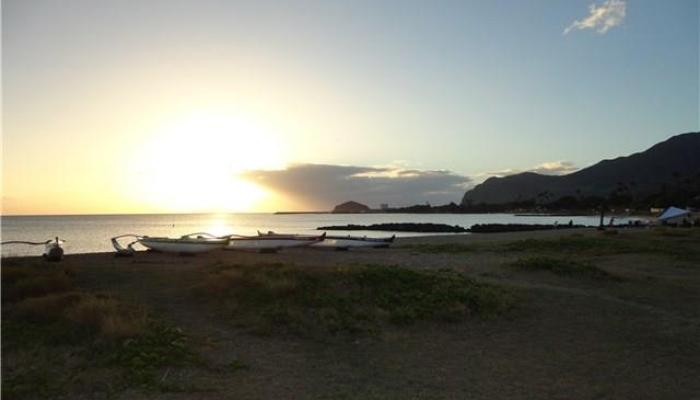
{"x": 202, "y": 242}
{"x": 347, "y": 242}
{"x": 341, "y": 242}
{"x": 53, "y": 250}
{"x": 272, "y": 243}
{"x": 193, "y": 243}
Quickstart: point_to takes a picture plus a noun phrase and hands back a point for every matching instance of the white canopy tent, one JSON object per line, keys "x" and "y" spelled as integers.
{"x": 674, "y": 215}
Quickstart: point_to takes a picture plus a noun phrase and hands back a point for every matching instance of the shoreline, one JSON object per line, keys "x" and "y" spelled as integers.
{"x": 432, "y": 238}
{"x": 419, "y": 237}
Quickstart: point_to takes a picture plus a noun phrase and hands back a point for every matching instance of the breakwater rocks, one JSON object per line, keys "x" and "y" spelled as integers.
{"x": 444, "y": 228}
{"x": 398, "y": 227}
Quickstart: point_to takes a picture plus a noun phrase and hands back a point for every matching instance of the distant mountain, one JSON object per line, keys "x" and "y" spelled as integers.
{"x": 674, "y": 163}
{"x": 350, "y": 207}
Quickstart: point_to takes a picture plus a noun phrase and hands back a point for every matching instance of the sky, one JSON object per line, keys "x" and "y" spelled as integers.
{"x": 247, "y": 106}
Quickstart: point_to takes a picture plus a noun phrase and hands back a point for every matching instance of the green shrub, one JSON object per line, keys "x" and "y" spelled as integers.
{"x": 352, "y": 299}
{"x": 156, "y": 347}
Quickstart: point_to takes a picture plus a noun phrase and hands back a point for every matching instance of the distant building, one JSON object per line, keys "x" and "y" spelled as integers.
{"x": 384, "y": 206}
{"x": 350, "y": 207}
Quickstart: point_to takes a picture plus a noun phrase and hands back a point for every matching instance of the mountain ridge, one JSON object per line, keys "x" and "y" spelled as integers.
{"x": 640, "y": 174}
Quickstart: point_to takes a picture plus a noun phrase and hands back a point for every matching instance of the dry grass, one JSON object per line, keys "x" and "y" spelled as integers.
{"x": 11, "y": 273}
{"x": 46, "y": 308}
{"x": 106, "y": 315}
{"x": 46, "y": 294}
{"x": 18, "y": 284}
{"x": 46, "y": 321}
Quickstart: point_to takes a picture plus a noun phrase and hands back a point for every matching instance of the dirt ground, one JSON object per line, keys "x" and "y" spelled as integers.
{"x": 568, "y": 337}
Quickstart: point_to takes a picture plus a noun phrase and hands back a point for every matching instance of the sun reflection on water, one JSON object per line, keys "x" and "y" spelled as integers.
{"x": 219, "y": 226}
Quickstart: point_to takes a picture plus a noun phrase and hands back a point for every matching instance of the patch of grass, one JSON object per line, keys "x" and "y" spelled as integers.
{"x": 20, "y": 283}
{"x": 451, "y": 248}
{"x": 135, "y": 350}
{"x": 665, "y": 231}
{"x": 563, "y": 267}
{"x": 108, "y": 316}
{"x": 158, "y": 346}
{"x": 610, "y": 245}
{"x": 46, "y": 308}
{"x": 569, "y": 244}
{"x": 33, "y": 382}
{"x": 98, "y": 314}
{"x": 12, "y": 273}
{"x": 274, "y": 297}
{"x": 61, "y": 342}
{"x": 236, "y": 365}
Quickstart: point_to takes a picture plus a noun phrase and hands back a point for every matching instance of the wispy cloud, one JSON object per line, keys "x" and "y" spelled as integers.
{"x": 321, "y": 186}
{"x": 555, "y": 168}
{"x": 547, "y": 168}
{"x": 602, "y": 17}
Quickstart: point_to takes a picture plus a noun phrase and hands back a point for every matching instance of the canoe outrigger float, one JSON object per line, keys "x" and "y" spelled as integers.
{"x": 52, "y": 248}
{"x": 340, "y": 242}
{"x": 202, "y": 242}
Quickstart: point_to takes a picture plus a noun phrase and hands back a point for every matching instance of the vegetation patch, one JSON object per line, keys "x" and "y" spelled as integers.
{"x": 682, "y": 248}
{"x": 665, "y": 231}
{"x": 22, "y": 282}
{"x": 59, "y": 341}
{"x": 307, "y": 300}
{"x": 563, "y": 267}
{"x": 451, "y": 248}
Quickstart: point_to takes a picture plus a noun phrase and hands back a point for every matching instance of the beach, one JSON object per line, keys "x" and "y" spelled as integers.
{"x": 583, "y": 314}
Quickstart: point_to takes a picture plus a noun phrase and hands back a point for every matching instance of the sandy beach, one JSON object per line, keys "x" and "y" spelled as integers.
{"x": 625, "y": 326}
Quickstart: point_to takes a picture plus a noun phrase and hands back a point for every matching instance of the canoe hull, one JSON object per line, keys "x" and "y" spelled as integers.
{"x": 268, "y": 243}
{"x": 53, "y": 251}
{"x": 347, "y": 244}
{"x": 182, "y": 246}
{"x": 338, "y": 242}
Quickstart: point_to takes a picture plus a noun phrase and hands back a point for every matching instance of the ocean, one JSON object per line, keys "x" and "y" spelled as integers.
{"x": 92, "y": 233}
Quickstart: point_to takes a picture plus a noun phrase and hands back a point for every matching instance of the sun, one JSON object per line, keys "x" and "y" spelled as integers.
{"x": 190, "y": 164}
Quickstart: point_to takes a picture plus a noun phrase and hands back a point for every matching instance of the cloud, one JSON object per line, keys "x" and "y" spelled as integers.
{"x": 321, "y": 186}
{"x": 555, "y": 168}
{"x": 602, "y": 18}
{"x": 547, "y": 168}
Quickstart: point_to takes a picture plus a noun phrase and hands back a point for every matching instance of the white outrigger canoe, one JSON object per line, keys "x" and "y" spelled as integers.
{"x": 53, "y": 250}
{"x": 271, "y": 243}
{"x": 193, "y": 243}
{"x": 348, "y": 242}
{"x": 341, "y": 242}
{"x": 202, "y": 242}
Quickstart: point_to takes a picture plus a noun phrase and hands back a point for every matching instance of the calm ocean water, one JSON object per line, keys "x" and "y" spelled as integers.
{"x": 91, "y": 233}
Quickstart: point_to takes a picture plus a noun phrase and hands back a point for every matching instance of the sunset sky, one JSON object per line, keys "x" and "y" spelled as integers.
{"x": 224, "y": 106}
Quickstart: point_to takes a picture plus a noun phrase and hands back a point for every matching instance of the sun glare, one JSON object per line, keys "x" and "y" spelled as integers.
{"x": 191, "y": 164}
